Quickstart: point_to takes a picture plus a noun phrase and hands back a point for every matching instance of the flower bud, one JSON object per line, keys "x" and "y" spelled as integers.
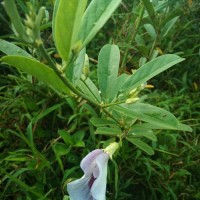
{"x": 111, "y": 148}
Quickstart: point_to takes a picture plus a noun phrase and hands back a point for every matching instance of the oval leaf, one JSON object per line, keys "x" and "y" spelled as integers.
{"x": 107, "y": 71}
{"x": 151, "y": 31}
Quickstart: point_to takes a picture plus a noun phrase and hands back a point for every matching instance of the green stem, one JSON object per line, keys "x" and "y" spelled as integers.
{"x": 110, "y": 115}
{"x": 112, "y": 104}
{"x": 67, "y": 82}
{"x": 156, "y": 41}
{"x": 62, "y": 75}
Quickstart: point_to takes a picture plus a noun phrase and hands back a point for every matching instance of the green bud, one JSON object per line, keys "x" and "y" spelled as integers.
{"x": 132, "y": 100}
{"x": 86, "y": 67}
{"x": 111, "y": 148}
{"x": 77, "y": 47}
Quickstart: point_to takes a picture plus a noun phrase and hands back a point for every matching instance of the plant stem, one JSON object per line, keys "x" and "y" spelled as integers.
{"x": 62, "y": 75}
{"x": 112, "y": 104}
{"x": 110, "y": 115}
{"x": 68, "y": 83}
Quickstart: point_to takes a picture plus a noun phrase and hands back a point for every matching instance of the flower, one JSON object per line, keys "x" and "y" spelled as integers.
{"x": 92, "y": 185}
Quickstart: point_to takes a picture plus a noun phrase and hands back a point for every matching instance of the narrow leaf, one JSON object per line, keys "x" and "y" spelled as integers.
{"x": 168, "y": 26}
{"x": 150, "y": 114}
{"x": 37, "y": 69}
{"x": 151, "y": 12}
{"x": 181, "y": 127}
{"x": 151, "y": 69}
{"x": 23, "y": 185}
{"x": 86, "y": 90}
{"x": 184, "y": 127}
{"x": 95, "y": 16}
{"x": 102, "y": 122}
{"x": 142, "y": 132}
{"x": 141, "y": 145}
{"x": 108, "y": 131}
{"x": 92, "y": 87}
{"x": 11, "y": 49}
{"x": 119, "y": 83}
{"x": 78, "y": 65}
{"x": 75, "y": 69}
{"x": 66, "y": 21}
{"x": 12, "y": 12}
{"x": 46, "y": 112}
{"x": 108, "y": 65}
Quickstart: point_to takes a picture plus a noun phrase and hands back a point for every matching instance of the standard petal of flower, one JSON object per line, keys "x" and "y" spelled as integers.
{"x": 98, "y": 189}
{"x": 79, "y": 189}
{"x": 88, "y": 163}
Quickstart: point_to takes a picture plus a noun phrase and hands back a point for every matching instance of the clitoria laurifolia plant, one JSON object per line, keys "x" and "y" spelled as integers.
{"x": 122, "y": 115}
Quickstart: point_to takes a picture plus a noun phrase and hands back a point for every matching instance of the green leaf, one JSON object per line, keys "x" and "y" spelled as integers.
{"x": 102, "y": 122}
{"x": 181, "y": 127}
{"x": 60, "y": 149}
{"x": 66, "y": 137}
{"x": 184, "y": 127}
{"x": 24, "y": 186}
{"x": 95, "y": 16}
{"x": 108, "y": 131}
{"x": 150, "y": 114}
{"x": 168, "y": 26}
{"x": 119, "y": 83}
{"x": 37, "y": 69}
{"x": 78, "y": 66}
{"x": 46, "y": 112}
{"x": 141, "y": 145}
{"x": 142, "y": 132}
{"x": 150, "y": 30}
{"x": 18, "y": 158}
{"x": 151, "y": 69}
{"x": 151, "y": 11}
{"x": 78, "y": 136}
{"x": 78, "y": 139}
{"x": 66, "y": 23}
{"x": 86, "y": 90}
{"x": 149, "y": 7}
{"x": 108, "y": 65}
{"x": 75, "y": 69}
{"x": 13, "y": 13}
{"x": 92, "y": 87}
{"x": 11, "y": 49}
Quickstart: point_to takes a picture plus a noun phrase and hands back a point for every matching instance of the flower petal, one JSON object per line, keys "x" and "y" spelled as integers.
{"x": 89, "y": 162}
{"x": 79, "y": 189}
{"x": 98, "y": 189}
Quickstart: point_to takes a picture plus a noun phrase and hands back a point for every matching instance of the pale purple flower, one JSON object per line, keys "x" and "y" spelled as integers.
{"x": 92, "y": 185}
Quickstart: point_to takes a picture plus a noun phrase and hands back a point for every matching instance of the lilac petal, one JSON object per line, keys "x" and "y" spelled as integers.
{"x": 98, "y": 189}
{"x": 79, "y": 189}
{"x": 88, "y": 163}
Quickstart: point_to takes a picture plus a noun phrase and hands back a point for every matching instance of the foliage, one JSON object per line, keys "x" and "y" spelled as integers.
{"x": 46, "y": 131}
